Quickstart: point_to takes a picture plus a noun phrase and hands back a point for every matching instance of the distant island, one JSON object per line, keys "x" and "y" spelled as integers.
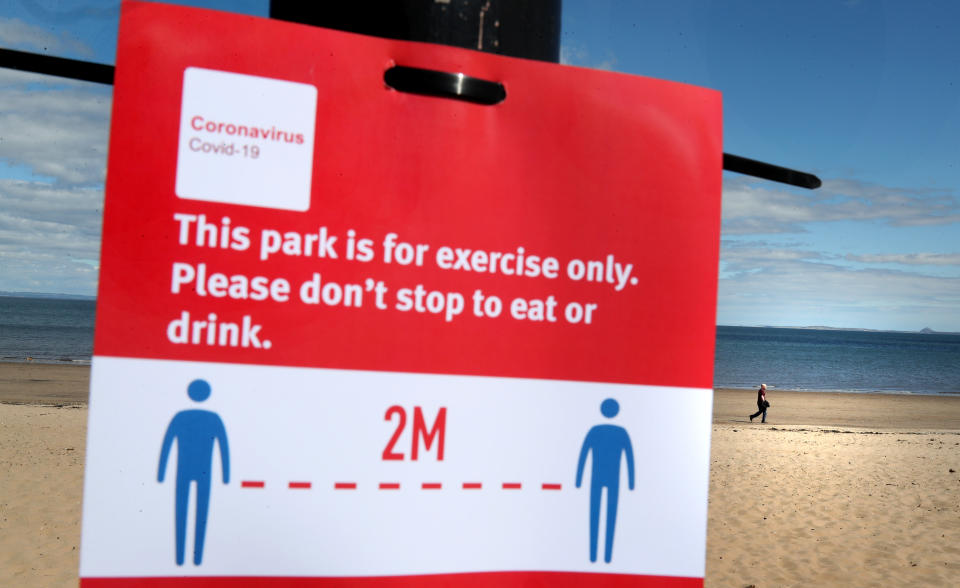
{"x": 923, "y": 331}
{"x": 7, "y": 294}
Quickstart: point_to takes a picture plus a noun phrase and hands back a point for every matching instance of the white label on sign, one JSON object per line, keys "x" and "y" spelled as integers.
{"x": 319, "y": 472}
{"x": 246, "y": 140}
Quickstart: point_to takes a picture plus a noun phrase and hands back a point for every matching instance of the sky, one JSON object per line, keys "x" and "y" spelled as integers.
{"x": 865, "y": 94}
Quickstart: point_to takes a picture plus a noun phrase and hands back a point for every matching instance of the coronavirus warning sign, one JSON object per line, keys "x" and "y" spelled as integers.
{"x": 350, "y": 335}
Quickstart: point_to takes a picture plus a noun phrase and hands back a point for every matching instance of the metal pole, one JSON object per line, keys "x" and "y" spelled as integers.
{"x": 518, "y": 28}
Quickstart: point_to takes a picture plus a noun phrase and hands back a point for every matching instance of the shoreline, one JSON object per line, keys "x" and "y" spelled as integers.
{"x": 883, "y": 412}
{"x": 45, "y": 361}
{"x": 54, "y": 381}
{"x": 771, "y": 389}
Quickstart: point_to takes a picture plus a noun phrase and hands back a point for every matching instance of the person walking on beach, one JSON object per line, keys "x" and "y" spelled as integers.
{"x": 762, "y": 404}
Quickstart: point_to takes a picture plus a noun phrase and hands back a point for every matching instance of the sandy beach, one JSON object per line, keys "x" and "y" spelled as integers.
{"x": 834, "y": 490}
{"x": 42, "y": 442}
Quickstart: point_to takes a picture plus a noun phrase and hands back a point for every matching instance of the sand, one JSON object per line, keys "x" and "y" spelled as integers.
{"x": 41, "y": 473}
{"x": 834, "y": 490}
{"x": 38, "y": 383}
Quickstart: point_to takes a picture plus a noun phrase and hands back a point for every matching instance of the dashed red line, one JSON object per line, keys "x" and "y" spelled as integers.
{"x": 396, "y": 485}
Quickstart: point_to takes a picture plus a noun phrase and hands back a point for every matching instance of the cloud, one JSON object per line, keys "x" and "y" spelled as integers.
{"x": 53, "y": 138}
{"x": 908, "y": 258}
{"x": 15, "y": 33}
{"x": 748, "y": 256}
{"x": 49, "y": 237}
{"x": 753, "y": 208}
{"x": 38, "y": 271}
{"x": 57, "y": 13}
{"x": 572, "y": 53}
{"x": 776, "y": 285}
{"x": 900, "y": 207}
{"x": 56, "y": 128}
{"x": 804, "y": 293}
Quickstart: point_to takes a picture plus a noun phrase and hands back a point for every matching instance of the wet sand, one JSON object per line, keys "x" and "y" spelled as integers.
{"x": 38, "y": 383}
{"x": 834, "y": 490}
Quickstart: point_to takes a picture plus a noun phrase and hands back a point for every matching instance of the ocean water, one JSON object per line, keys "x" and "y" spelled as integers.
{"x": 46, "y": 330}
{"x": 61, "y": 331}
{"x": 844, "y": 361}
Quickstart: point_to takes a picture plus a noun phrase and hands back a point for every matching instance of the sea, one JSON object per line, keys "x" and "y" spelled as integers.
{"x": 46, "y": 330}
{"x": 60, "y": 331}
{"x": 829, "y": 360}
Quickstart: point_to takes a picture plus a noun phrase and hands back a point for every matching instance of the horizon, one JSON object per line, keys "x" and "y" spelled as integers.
{"x": 88, "y": 298}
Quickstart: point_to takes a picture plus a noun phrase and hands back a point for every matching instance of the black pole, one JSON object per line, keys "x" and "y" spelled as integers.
{"x": 57, "y": 66}
{"x": 768, "y": 171}
{"x": 518, "y": 28}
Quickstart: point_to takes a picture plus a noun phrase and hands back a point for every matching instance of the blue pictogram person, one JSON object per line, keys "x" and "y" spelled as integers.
{"x": 195, "y": 431}
{"x": 605, "y": 444}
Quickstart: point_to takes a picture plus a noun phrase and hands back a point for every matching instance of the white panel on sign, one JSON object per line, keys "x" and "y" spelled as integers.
{"x": 246, "y": 140}
{"x": 493, "y": 484}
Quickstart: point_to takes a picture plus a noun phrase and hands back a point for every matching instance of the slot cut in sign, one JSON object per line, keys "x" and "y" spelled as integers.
{"x": 348, "y": 335}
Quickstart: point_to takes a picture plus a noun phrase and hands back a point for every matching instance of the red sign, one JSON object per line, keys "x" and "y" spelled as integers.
{"x": 272, "y": 203}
